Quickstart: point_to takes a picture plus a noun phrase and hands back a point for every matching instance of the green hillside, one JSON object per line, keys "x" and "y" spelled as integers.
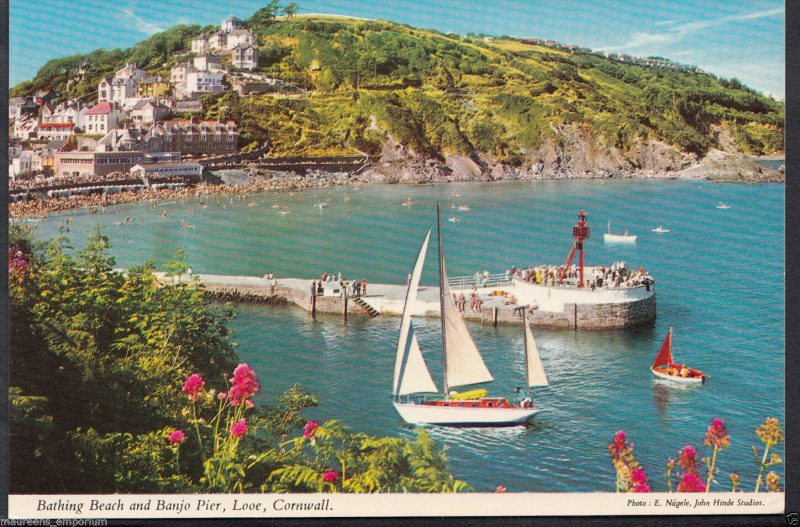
{"x": 451, "y": 95}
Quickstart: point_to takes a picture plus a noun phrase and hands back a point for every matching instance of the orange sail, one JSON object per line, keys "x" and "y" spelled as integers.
{"x": 665, "y": 353}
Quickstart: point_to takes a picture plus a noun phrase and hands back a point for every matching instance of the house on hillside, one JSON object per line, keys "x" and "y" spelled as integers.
{"x": 202, "y": 82}
{"x": 200, "y": 43}
{"x": 240, "y": 37}
{"x": 130, "y": 71}
{"x": 147, "y": 112}
{"x": 208, "y": 62}
{"x": 197, "y": 137}
{"x": 153, "y": 86}
{"x": 25, "y": 127}
{"x": 245, "y": 57}
{"x": 103, "y": 117}
{"x": 231, "y": 24}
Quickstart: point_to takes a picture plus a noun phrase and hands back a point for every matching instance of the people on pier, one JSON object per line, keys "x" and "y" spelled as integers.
{"x": 617, "y": 275}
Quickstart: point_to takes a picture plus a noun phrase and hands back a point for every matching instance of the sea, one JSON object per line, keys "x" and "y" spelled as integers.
{"x": 719, "y": 283}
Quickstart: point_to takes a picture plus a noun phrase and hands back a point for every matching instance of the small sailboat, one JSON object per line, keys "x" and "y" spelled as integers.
{"x": 463, "y": 366}
{"x": 454, "y": 219}
{"x": 664, "y": 367}
{"x": 722, "y": 205}
{"x": 463, "y": 207}
{"x": 660, "y": 229}
{"x": 321, "y": 205}
{"x": 408, "y": 202}
{"x": 617, "y": 238}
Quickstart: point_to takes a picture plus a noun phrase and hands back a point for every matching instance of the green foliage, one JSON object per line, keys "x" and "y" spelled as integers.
{"x": 98, "y": 363}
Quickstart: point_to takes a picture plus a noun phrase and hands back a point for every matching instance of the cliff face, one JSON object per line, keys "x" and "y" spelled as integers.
{"x": 579, "y": 154}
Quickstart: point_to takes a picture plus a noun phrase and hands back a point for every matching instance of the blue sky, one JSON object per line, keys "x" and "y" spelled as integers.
{"x": 742, "y": 39}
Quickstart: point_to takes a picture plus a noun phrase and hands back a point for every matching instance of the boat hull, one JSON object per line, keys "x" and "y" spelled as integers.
{"x": 677, "y": 379}
{"x": 458, "y": 416}
{"x": 618, "y": 238}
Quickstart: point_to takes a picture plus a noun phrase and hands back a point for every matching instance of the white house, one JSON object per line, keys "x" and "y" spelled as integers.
{"x": 104, "y": 89}
{"x": 123, "y": 89}
{"x": 231, "y": 24}
{"x": 245, "y": 57}
{"x": 25, "y": 127}
{"x": 15, "y": 107}
{"x": 240, "y": 37}
{"x": 148, "y": 111}
{"x": 53, "y": 131}
{"x": 208, "y": 62}
{"x": 71, "y": 111}
{"x": 218, "y": 40}
{"x": 204, "y": 82}
{"x": 22, "y": 164}
{"x": 200, "y": 43}
{"x": 130, "y": 72}
{"x": 103, "y": 117}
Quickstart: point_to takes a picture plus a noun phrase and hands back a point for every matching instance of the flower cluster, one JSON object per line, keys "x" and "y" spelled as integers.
{"x": 310, "y": 429}
{"x": 244, "y": 384}
{"x": 239, "y": 428}
{"x": 330, "y": 476}
{"x": 691, "y": 482}
{"x": 717, "y": 434}
{"x": 773, "y": 482}
{"x": 687, "y": 459}
{"x": 17, "y": 264}
{"x": 193, "y": 386}
{"x": 176, "y": 437}
{"x": 630, "y": 477}
{"x": 770, "y": 432}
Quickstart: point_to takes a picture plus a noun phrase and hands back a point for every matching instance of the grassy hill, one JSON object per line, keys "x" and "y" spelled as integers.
{"x": 448, "y": 95}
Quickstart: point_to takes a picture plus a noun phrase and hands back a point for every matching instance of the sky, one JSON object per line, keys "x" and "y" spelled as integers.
{"x": 742, "y": 39}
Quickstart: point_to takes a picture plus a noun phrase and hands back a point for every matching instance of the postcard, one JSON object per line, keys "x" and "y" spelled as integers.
{"x": 278, "y": 259}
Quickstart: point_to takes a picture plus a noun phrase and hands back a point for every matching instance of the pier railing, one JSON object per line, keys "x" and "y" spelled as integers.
{"x": 466, "y": 282}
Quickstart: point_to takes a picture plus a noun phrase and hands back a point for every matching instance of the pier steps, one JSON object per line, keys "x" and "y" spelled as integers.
{"x": 368, "y": 308}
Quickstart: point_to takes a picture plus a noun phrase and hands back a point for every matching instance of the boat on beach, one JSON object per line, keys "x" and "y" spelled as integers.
{"x": 608, "y": 237}
{"x": 664, "y": 367}
{"x": 463, "y": 366}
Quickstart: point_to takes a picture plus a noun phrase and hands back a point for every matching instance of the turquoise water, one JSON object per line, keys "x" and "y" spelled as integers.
{"x": 720, "y": 283}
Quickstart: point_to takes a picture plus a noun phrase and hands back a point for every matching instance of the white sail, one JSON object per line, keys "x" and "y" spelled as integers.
{"x": 463, "y": 361}
{"x": 533, "y": 362}
{"x": 410, "y": 372}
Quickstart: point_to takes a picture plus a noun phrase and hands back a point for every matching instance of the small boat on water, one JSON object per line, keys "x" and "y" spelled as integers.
{"x": 463, "y": 366}
{"x": 455, "y": 194}
{"x": 408, "y": 202}
{"x": 322, "y": 205}
{"x": 660, "y": 229}
{"x": 722, "y": 205}
{"x": 276, "y": 205}
{"x": 664, "y": 367}
{"x": 463, "y": 207}
{"x": 608, "y": 237}
{"x": 454, "y": 219}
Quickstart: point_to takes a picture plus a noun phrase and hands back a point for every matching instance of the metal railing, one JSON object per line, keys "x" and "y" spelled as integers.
{"x": 466, "y": 282}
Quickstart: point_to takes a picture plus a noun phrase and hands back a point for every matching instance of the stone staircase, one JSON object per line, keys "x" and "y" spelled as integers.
{"x": 366, "y": 307}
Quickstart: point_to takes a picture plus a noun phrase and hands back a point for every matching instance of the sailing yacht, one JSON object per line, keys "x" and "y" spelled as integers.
{"x": 463, "y": 366}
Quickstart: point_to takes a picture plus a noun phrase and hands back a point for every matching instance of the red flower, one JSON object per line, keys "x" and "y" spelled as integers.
{"x": 619, "y": 438}
{"x": 244, "y": 384}
{"x": 639, "y": 476}
{"x": 330, "y": 476}
{"x": 193, "y": 386}
{"x": 717, "y": 435}
{"x": 177, "y": 437}
{"x": 691, "y": 482}
{"x": 310, "y": 429}
{"x": 500, "y": 489}
{"x": 687, "y": 459}
{"x": 239, "y": 428}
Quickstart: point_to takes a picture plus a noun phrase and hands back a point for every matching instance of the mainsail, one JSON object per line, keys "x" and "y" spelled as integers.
{"x": 464, "y": 364}
{"x": 533, "y": 362}
{"x": 411, "y": 375}
{"x": 665, "y": 353}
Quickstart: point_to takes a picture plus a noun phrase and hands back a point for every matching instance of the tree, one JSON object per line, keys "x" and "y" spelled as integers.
{"x": 266, "y": 14}
{"x": 290, "y": 10}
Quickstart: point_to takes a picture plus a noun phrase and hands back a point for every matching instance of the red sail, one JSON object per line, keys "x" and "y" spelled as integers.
{"x": 665, "y": 353}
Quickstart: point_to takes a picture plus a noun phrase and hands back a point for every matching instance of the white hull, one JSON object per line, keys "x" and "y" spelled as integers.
{"x": 618, "y": 238}
{"x": 676, "y": 378}
{"x": 420, "y": 414}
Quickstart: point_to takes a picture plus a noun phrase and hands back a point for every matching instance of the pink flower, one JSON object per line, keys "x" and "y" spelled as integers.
{"x": 639, "y": 476}
{"x": 310, "y": 429}
{"x": 500, "y": 489}
{"x": 244, "y": 384}
{"x": 687, "y": 459}
{"x": 691, "y": 482}
{"x": 250, "y": 404}
{"x": 717, "y": 434}
{"x": 619, "y": 438}
{"x": 177, "y": 437}
{"x": 330, "y": 476}
{"x": 640, "y": 487}
{"x": 221, "y": 396}
{"x": 193, "y": 386}
{"x": 239, "y": 428}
